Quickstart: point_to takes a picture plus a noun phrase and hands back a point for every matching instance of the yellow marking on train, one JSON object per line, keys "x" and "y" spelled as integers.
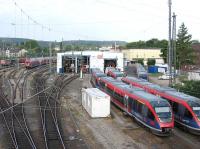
{"x": 141, "y": 102}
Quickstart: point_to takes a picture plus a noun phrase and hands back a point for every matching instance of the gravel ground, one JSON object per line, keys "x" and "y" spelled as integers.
{"x": 98, "y": 132}
{"x": 119, "y": 130}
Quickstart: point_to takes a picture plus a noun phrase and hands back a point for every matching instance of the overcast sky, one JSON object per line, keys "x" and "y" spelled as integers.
{"x": 128, "y": 20}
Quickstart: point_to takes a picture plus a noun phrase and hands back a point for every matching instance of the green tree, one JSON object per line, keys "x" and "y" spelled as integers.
{"x": 190, "y": 87}
{"x": 31, "y": 44}
{"x": 185, "y": 53}
{"x": 33, "y": 48}
{"x": 164, "y": 47}
{"x": 141, "y": 61}
{"x": 68, "y": 47}
{"x": 151, "y": 62}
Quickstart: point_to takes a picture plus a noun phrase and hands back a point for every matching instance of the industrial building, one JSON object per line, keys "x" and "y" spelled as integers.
{"x": 76, "y": 60}
{"x": 135, "y": 54}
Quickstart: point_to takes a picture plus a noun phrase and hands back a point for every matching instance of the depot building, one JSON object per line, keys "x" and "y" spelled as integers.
{"x": 74, "y": 61}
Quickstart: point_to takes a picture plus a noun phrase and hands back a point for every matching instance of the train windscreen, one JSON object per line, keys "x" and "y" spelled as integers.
{"x": 195, "y": 105}
{"x": 164, "y": 114}
{"x": 119, "y": 75}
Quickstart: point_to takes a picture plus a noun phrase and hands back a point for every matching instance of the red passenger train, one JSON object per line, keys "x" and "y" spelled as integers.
{"x": 35, "y": 62}
{"x": 96, "y": 75}
{"x": 153, "y": 112}
{"x": 186, "y": 108}
{"x": 115, "y": 74}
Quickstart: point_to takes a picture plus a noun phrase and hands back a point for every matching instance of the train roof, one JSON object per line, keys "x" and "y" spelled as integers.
{"x": 160, "y": 88}
{"x": 117, "y": 72}
{"x": 136, "y": 79}
{"x": 100, "y": 74}
{"x": 113, "y": 70}
{"x": 183, "y": 96}
{"x": 154, "y": 100}
{"x": 191, "y": 100}
{"x": 95, "y": 70}
{"x": 110, "y": 79}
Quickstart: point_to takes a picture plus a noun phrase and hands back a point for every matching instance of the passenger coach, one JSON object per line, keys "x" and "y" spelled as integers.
{"x": 186, "y": 108}
{"x": 96, "y": 75}
{"x": 115, "y": 74}
{"x": 152, "y": 111}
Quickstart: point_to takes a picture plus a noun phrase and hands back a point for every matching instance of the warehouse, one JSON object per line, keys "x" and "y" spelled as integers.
{"x": 145, "y": 54}
{"x": 73, "y": 61}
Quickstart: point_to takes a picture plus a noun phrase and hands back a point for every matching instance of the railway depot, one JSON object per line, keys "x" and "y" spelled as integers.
{"x": 76, "y": 114}
{"x": 99, "y": 74}
{"x": 68, "y": 61}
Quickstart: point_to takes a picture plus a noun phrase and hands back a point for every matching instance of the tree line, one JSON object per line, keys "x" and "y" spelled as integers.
{"x": 184, "y": 52}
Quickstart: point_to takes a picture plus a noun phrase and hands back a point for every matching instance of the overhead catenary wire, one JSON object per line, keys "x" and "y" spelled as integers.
{"x": 116, "y": 4}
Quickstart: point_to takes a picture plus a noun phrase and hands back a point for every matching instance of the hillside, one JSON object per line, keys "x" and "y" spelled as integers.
{"x": 18, "y": 41}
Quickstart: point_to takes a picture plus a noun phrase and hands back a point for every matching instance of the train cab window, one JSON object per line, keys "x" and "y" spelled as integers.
{"x": 150, "y": 115}
{"x": 170, "y": 102}
{"x": 187, "y": 114}
{"x": 102, "y": 84}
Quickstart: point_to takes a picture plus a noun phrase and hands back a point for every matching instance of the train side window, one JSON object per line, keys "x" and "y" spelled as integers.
{"x": 139, "y": 108}
{"x": 119, "y": 97}
{"x": 135, "y": 103}
{"x": 187, "y": 114}
{"x": 181, "y": 110}
{"x": 144, "y": 110}
{"x": 150, "y": 115}
{"x": 175, "y": 107}
{"x": 110, "y": 92}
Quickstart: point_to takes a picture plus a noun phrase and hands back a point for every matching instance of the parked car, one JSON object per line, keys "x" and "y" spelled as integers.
{"x": 165, "y": 76}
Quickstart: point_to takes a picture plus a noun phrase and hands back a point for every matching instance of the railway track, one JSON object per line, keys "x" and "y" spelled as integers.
{"x": 49, "y": 111}
{"x": 15, "y": 120}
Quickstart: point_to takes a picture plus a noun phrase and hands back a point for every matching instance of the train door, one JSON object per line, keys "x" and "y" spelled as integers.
{"x": 144, "y": 111}
{"x": 184, "y": 114}
{"x": 126, "y": 102}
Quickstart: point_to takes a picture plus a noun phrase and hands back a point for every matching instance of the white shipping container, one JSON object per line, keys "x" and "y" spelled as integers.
{"x": 96, "y": 102}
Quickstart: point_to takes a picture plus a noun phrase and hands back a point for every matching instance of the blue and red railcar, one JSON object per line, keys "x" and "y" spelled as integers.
{"x": 115, "y": 74}
{"x": 153, "y": 112}
{"x": 186, "y": 108}
{"x": 96, "y": 75}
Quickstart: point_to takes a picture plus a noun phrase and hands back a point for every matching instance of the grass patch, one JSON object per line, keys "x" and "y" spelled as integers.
{"x": 183, "y": 78}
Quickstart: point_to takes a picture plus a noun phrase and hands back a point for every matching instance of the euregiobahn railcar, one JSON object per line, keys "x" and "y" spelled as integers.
{"x": 96, "y": 75}
{"x": 186, "y": 108}
{"x": 153, "y": 112}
